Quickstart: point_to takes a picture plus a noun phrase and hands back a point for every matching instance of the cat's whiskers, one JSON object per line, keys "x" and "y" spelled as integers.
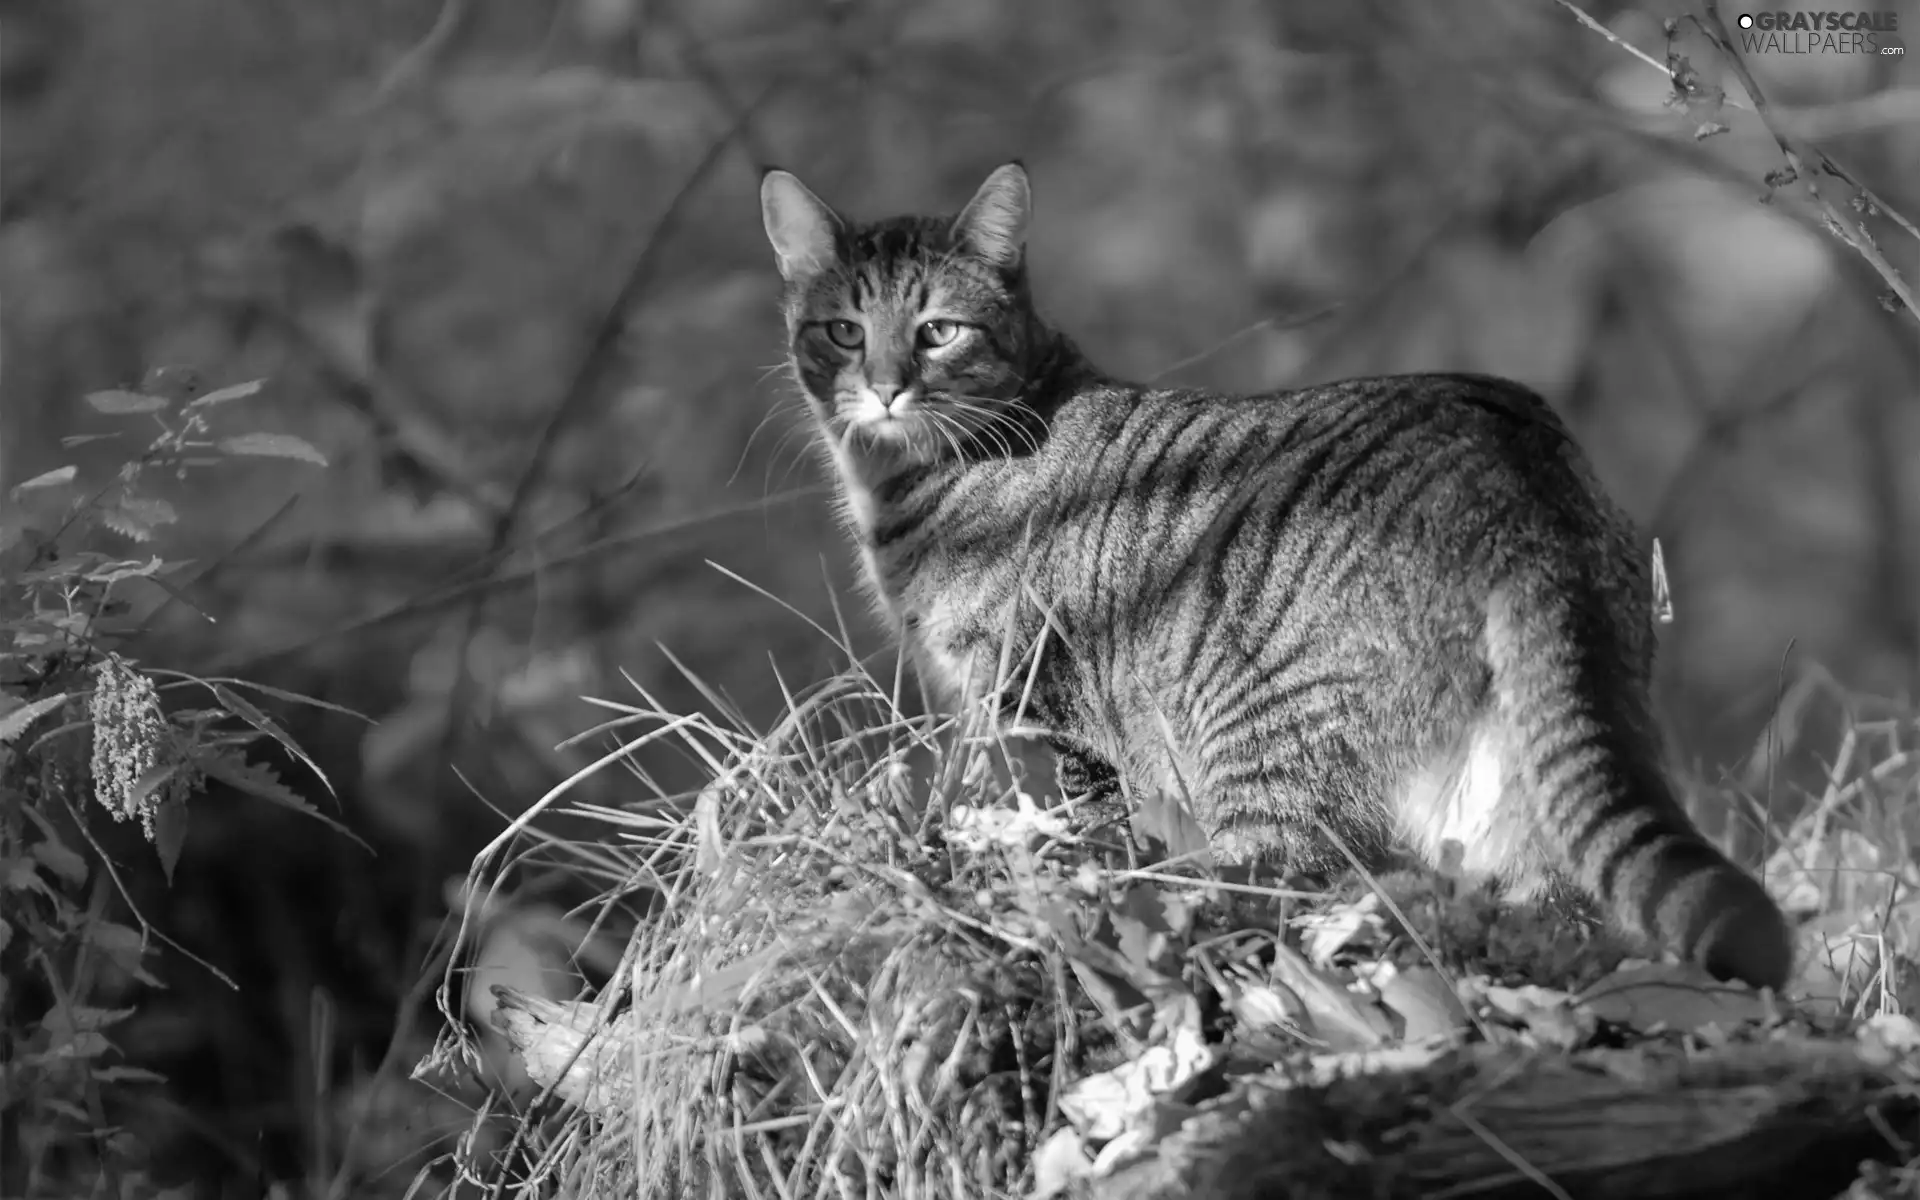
{"x": 793, "y": 405}
{"x": 985, "y": 431}
{"x": 941, "y": 423}
{"x": 993, "y": 418}
{"x": 956, "y": 431}
{"x": 796, "y": 435}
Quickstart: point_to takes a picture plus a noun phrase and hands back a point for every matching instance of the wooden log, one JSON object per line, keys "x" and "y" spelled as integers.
{"x": 1779, "y": 1120}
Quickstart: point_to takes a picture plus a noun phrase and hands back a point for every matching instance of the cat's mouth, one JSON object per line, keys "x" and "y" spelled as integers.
{"x": 896, "y": 423}
{"x": 892, "y": 436}
{"x": 887, "y": 427}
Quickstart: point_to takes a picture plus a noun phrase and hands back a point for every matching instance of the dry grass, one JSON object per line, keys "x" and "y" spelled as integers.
{"x": 877, "y": 965}
{"x": 831, "y": 990}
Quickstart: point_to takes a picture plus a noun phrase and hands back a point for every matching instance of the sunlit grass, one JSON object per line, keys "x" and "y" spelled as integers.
{"x": 850, "y": 982}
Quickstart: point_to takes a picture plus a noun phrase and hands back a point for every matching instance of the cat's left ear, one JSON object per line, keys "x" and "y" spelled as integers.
{"x": 993, "y": 225}
{"x": 799, "y": 224}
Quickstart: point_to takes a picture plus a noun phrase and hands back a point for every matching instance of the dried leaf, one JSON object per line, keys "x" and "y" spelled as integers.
{"x": 1110, "y": 1103}
{"x": 1329, "y": 932}
{"x": 170, "y": 834}
{"x": 1662, "y": 590}
{"x": 16, "y": 717}
{"x": 565, "y": 1047}
{"x": 1340, "y": 1019}
{"x": 272, "y": 445}
{"x": 1265, "y": 1009}
{"x": 1889, "y": 1035}
{"x": 1059, "y": 1161}
{"x": 238, "y": 391}
{"x": 1680, "y": 997}
{"x": 54, "y": 478}
{"x": 120, "y": 403}
{"x": 1551, "y": 1017}
{"x": 709, "y": 846}
{"x": 1425, "y": 1001}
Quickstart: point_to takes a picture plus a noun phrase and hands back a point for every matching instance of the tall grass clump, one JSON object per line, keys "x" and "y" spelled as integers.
{"x": 844, "y": 982}
{"x": 872, "y": 958}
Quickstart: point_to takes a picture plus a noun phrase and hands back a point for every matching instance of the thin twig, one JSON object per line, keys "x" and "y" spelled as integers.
{"x": 419, "y": 63}
{"x": 1803, "y": 158}
{"x": 693, "y": 53}
{"x": 581, "y": 391}
{"x": 500, "y": 580}
{"x": 1581, "y": 15}
{"x": 395, "y": 415}
{"x": 602, "y": 350}
{"x": 1799, "y": 153}
{"x": 147, "y": 927}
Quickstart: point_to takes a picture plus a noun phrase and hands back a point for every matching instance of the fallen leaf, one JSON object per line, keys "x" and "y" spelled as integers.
{"x": 1425, "y": 1001}
{"x": 1059, "y": 1161}
{"x": 1331, "y": 931}
{"x": 568, "y": 1048}
{"x": 1337, "y": 1017}
{"x": 1888, "y": 1036}
{"x": 1550, "y": 1016}
{"x": 1107, "y": 1105}
{"x": 1266, "y": 1009}
{"x": 1680, "y": 997}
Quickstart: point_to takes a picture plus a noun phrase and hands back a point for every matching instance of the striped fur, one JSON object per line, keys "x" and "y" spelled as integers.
{"x": 1390, "y": 608}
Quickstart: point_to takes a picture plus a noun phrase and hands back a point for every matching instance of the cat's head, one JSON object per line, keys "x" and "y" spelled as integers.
{"x": 913, "y": 335}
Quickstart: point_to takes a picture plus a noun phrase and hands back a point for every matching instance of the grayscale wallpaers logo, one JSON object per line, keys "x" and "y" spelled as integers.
{"x": 1803, "y": 32}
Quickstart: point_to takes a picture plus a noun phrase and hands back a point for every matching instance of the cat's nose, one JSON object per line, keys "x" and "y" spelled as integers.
{"x": 888, "y": 394}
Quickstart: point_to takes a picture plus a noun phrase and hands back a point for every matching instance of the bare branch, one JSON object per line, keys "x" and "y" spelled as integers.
{"x": 1584, "y": 18}
{"x": 419, "y": 64}
{"x": 1806, "y": 160}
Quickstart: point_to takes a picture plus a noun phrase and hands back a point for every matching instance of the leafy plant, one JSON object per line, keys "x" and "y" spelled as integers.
{"x": 80, "y": 719}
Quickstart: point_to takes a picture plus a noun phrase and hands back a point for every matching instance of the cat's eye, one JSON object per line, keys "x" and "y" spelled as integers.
{"x": 845, "y": 334}
{"x": 938, "y": 333}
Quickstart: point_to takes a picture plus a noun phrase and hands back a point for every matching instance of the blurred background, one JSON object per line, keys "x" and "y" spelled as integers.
{"x": 502, "y": 261}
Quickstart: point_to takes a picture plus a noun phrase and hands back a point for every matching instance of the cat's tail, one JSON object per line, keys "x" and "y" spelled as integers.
{"x": 1585, "y": 758}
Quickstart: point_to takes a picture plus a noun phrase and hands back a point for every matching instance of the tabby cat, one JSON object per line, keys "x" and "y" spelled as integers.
{"x": 1388, "y": 607}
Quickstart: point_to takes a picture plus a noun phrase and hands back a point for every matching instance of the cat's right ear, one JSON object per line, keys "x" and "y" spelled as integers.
{"x": 994, "y": 223}
{"x": 799, "y": 224}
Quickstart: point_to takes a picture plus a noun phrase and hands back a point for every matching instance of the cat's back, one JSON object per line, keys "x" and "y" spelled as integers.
{"x": 1389, "y": 410}
{"x": 1458, "y": 463}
